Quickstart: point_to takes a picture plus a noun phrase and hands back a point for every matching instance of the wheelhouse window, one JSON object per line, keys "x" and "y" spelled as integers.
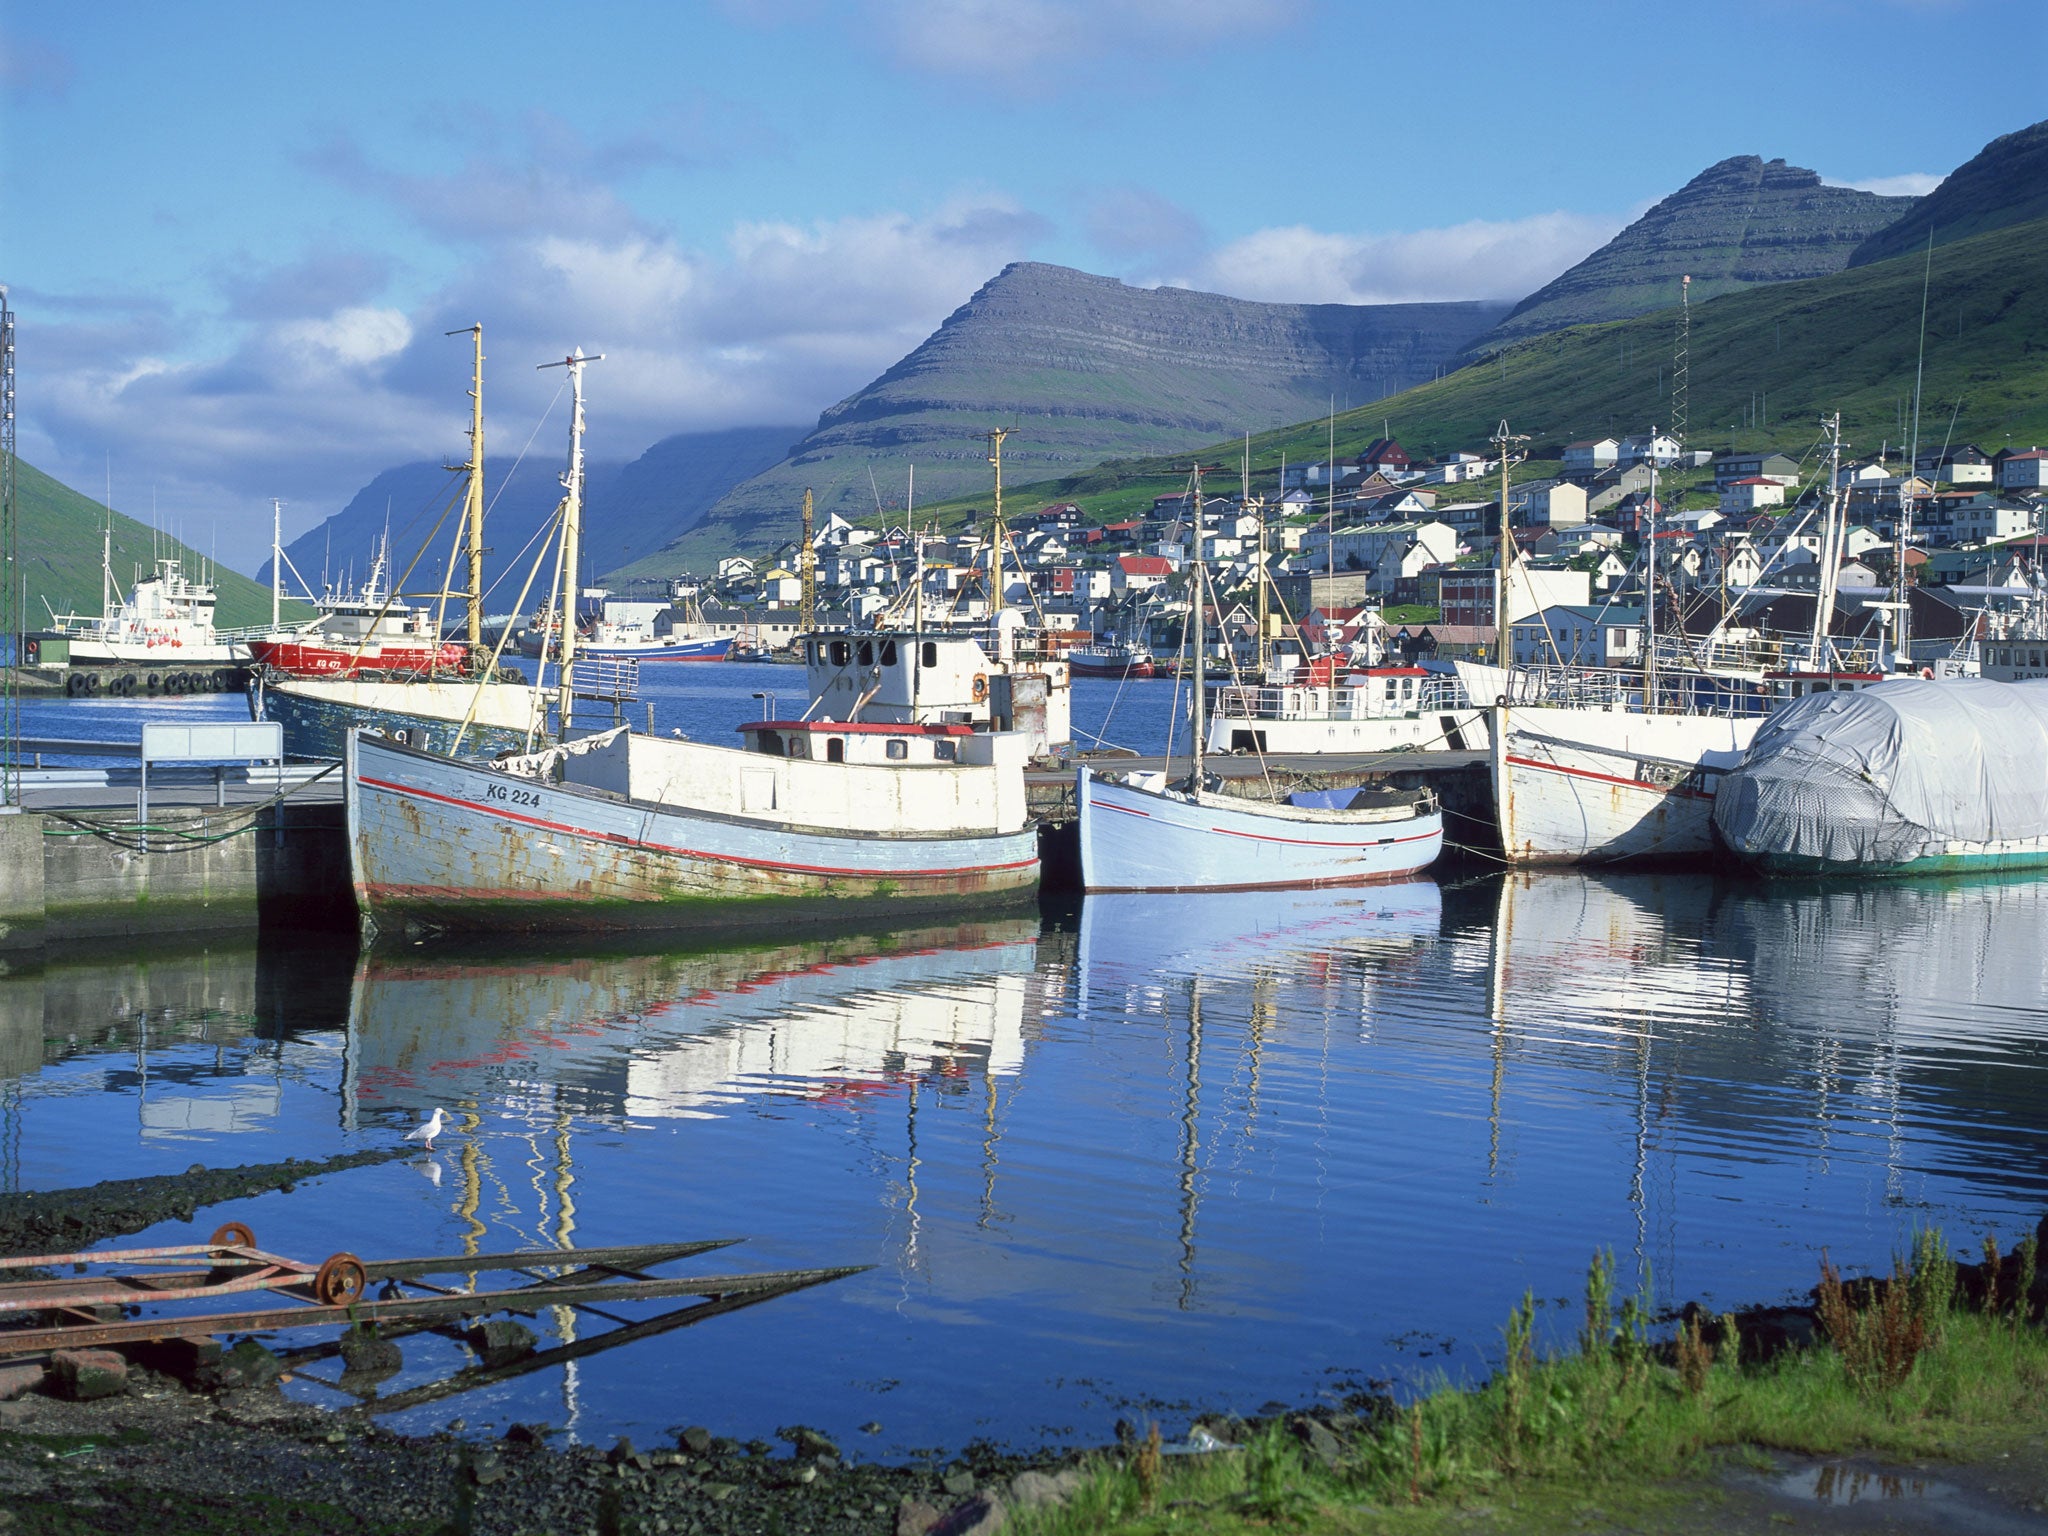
{"x": 946, "y": 751}
{"x": 898, "y": 749}
{"x": 888, "y": 653}
{"x": 835, "y": 749}
{"x": 867, "y": 653}
{"x": 931, "y": 653}
{"x": 841, "y": 653}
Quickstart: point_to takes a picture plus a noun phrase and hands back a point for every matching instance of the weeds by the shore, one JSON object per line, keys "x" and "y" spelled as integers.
{"x": 1937, "y": 1360}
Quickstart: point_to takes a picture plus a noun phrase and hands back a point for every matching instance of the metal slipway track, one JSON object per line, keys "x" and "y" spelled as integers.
{"x": 73, "y": 1312}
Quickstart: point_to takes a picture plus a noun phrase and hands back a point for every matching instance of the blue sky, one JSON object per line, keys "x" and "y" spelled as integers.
{"x": 235, "y": 232}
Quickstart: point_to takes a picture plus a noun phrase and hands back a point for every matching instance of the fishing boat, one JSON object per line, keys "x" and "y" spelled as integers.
{"x": 1138, "y": 832}
{"x": 1586, "y": 786}
{"x": 1108, "y": 656}
{"x": 365, "y": 630}
{"x": 165, "y": 620}
{"x": 927, "y": 676}
{"x": 634, "y": 642}
{"x": 1911, "y": 777}
{"x": 811, "y": 820}
{"x": 1326, "y": 705}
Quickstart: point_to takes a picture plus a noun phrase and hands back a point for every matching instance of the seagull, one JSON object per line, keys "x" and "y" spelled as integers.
{"x": 426, "y": 1130}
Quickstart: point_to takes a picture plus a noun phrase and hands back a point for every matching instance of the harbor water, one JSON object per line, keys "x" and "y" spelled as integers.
{"x": 1135, "y": 1158}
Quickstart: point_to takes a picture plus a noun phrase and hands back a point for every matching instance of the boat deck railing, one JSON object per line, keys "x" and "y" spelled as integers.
{"x": 1302, "y": 702}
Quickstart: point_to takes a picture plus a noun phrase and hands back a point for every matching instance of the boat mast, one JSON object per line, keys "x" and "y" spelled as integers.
{"x": 1505, "y": 441}
{"x": 995, "y": 438}
{"x": 1650, "y": 588}
{"x": 807, "y": 569}
{"x": 572, "y": 529}
{"x": 1830, "y": 573}
{"x": 1264, "y": 650}
{"x": 276, "y": 560}
{"x": 1197, "y": 711}
{"x": 474, "y": 492}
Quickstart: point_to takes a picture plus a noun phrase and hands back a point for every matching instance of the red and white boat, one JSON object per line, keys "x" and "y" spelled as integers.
{"x": 365, "y": 631}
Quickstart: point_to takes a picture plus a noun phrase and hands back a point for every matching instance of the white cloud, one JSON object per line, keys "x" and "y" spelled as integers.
{"x": 1906, "y": 184}
{"x": 1481, "y": 259}
{"x": 770, "y": 325}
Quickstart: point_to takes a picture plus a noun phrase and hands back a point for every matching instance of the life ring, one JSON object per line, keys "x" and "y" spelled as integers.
{"x": 1501, "y": 699}
{"x": 980, "y": 686}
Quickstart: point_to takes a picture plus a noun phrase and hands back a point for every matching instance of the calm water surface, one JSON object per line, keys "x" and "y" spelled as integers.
{"x": 1151, "y": 1155}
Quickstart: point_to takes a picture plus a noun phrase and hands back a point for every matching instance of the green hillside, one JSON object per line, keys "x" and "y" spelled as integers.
{"x": 1765, "y": 365}
{"x": 60, "y": 555}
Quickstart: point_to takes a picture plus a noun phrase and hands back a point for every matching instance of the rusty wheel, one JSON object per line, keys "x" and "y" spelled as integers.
{"x": 340, "y": 1281}
{"x": 232, "y": 1235}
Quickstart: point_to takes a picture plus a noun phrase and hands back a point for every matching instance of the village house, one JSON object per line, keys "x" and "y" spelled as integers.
{"x": 1466, "y": 594}
{"x": 1648, "y": 448}
{"x": 1741, "y": 497}
{"x": 1730, "y": 467}
{"x": 1583, "y": 460}
{"x": 2024, "y": 470}
{"x": 1139, "y": 573}
{"x": 1579, "y": 635}
{"x": 1543, "y": 503}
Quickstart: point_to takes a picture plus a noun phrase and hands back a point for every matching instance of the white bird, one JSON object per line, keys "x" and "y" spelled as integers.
{"x": 426, "y": 1130}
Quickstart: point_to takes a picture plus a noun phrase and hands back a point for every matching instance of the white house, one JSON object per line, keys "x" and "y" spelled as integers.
{"x": 2026, "y": 471}
{"x": 1591, "y": 456}
{"x": 1592, "y": 635}
{"x": 735, "y": 568}
{"x": 1545, "y": 503}
{"x": 1649, "y": 448}
{"x": 1741, "y": 497}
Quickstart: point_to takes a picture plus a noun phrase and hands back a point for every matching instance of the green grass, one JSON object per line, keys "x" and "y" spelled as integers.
{"x": 1847, "y": 342}
{"x": 60, "y": 556}
{"x": 1618, "y": 1421}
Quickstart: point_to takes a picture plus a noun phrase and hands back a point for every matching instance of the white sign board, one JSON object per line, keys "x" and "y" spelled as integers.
{"x": 222, "y": 743}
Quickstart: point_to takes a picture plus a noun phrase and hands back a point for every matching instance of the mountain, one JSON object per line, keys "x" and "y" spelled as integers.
{"x": 1780, "y": 354}
{"x": 629, "y": 509}
{"x": 1085, "y": 369}
{"x": 60, "y": 533}
{"x": 1738, "y": 224}
{"x": 2004, "y": 183}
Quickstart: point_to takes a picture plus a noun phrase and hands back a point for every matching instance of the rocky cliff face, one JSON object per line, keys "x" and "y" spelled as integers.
{"x": 1084, "y": 368}
{"x": 1737, "y": 224}
{"x": 2004, "y": 183}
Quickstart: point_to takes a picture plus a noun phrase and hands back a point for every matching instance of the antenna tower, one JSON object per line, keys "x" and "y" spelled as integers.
{"x": 1680, "y": 373}
{"x": 807, "y": 569}
{"x": 11, "y": 595}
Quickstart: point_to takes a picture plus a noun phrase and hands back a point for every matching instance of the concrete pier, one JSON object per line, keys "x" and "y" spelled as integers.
{"x": 88, "y": 872}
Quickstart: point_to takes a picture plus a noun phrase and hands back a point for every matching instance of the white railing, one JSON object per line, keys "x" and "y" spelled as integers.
{"x": 1304, "y": 702}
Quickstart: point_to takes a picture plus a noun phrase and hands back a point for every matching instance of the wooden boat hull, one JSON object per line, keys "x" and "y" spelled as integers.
{"x": 453, "y": 844}
{"x": 1137, "y": 840}
{"x": 680, "y": 650}
{"x": 1607, "y": 787}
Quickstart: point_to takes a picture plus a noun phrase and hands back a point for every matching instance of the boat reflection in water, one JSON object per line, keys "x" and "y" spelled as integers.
{"x": 1210, "y": 1150}
{"x": 693, "y": 1034}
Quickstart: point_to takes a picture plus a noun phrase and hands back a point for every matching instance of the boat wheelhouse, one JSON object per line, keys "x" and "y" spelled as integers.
{"x": 1325, "y": 706}
{"x": 922, "y": 677}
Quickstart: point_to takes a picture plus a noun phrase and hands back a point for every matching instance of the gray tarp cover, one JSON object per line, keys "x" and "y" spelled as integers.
{"x": 1892, "y": 773}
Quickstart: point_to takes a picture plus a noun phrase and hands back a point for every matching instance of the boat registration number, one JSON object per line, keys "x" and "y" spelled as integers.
{"x": 511, "y": 796}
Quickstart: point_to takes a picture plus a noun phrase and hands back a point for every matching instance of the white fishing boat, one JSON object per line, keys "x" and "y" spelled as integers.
{"x": 1138, "y": 833}
{"x": 816, "y": 819}
{"x": 1326, "y": 706}
{"x": 165, "y": 620}
{"x": 1588, "y": 786}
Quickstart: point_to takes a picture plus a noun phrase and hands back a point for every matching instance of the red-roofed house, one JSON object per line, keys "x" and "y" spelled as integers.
{"x": 1139, "y": 573}
{"x": 1385, "y": 454}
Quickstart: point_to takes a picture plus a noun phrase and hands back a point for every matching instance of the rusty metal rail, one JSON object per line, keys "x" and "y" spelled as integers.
{"x": 336, "y": 1291}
